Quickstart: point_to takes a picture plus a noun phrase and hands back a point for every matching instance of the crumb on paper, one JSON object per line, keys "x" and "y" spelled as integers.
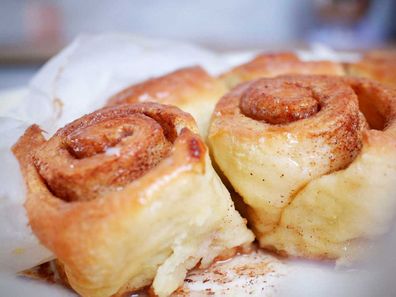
{"x": 255, "y": 274}
{"x": 18, "y": 251}
{"x": 58, "y": 108}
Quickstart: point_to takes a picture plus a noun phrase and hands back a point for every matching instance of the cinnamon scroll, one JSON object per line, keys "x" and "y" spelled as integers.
{"x": 271, "y": 65}
{"x": 191, "y": 89}
{"x": 313, "y": 157}
{"x": 377, "y": 65}
{"x": 126, "y": 197}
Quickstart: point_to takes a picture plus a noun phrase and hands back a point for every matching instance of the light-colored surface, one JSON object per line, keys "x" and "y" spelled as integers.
{"x": 10, "y": 98}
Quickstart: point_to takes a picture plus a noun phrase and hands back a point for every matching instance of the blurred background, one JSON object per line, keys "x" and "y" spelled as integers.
{"x": 31, "y": 31}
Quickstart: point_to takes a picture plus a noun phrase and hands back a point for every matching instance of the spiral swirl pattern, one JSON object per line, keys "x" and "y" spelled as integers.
{"x": 300, "y": 151}
{"x": 104, "y": 151}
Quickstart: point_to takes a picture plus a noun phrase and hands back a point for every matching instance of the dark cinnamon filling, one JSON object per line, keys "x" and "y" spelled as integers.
{"x": 101, "y": 153}
{"x": 276, "y": 103}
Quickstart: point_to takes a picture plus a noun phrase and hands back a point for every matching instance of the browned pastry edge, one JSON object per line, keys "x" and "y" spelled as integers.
{"x": 377, "y": 65}
{"x": 75, "y": 163}
{"x": 275, "y": 64}
{"x": 174, "y": 88}
{"x": 53, "y": 271}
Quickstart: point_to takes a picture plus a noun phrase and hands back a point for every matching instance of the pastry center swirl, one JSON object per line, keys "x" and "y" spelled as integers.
{"x": 97, "y": 139}
{"x": 276, "y": 103}
{"x": 81, "y": 162}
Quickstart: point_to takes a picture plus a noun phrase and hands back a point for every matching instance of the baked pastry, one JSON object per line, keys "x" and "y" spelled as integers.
{"x": 377, "y": 65}
{"x": 126, "y": 196}
{"x": 314, "y": 158}
{"x": 270, "y": 65}
{"x": 191, "y": 89}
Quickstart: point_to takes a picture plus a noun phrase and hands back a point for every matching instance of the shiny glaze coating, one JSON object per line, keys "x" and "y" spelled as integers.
{"x": 106, "y": 150}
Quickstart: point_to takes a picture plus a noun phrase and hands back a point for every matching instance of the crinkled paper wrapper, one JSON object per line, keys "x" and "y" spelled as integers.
{"x": 79, "y": 80}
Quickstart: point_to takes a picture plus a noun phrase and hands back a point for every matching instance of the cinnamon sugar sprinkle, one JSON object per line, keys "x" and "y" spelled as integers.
{"x": 254, "y": 274}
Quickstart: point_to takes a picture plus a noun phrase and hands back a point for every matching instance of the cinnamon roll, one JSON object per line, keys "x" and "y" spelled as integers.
{"x": 191, "y": 89}
{"x": 126, "y": 197}
{"x": 270, "y": 65}
{"x": 314, "y": 159}
{"x": 377, "y": 65}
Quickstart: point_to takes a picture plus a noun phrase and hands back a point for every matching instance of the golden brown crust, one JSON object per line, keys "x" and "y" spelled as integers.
{"x": 285, "y": 166}
{"x": 336, "y": 107}
{"x": 192, "y": 89}
{"x": 278, "y": 104}
{"x": 174, "y": 88}
{"x": 106, "y": 150}
{"x": 377, "y": 65}
{"x": 270, "y": 65}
